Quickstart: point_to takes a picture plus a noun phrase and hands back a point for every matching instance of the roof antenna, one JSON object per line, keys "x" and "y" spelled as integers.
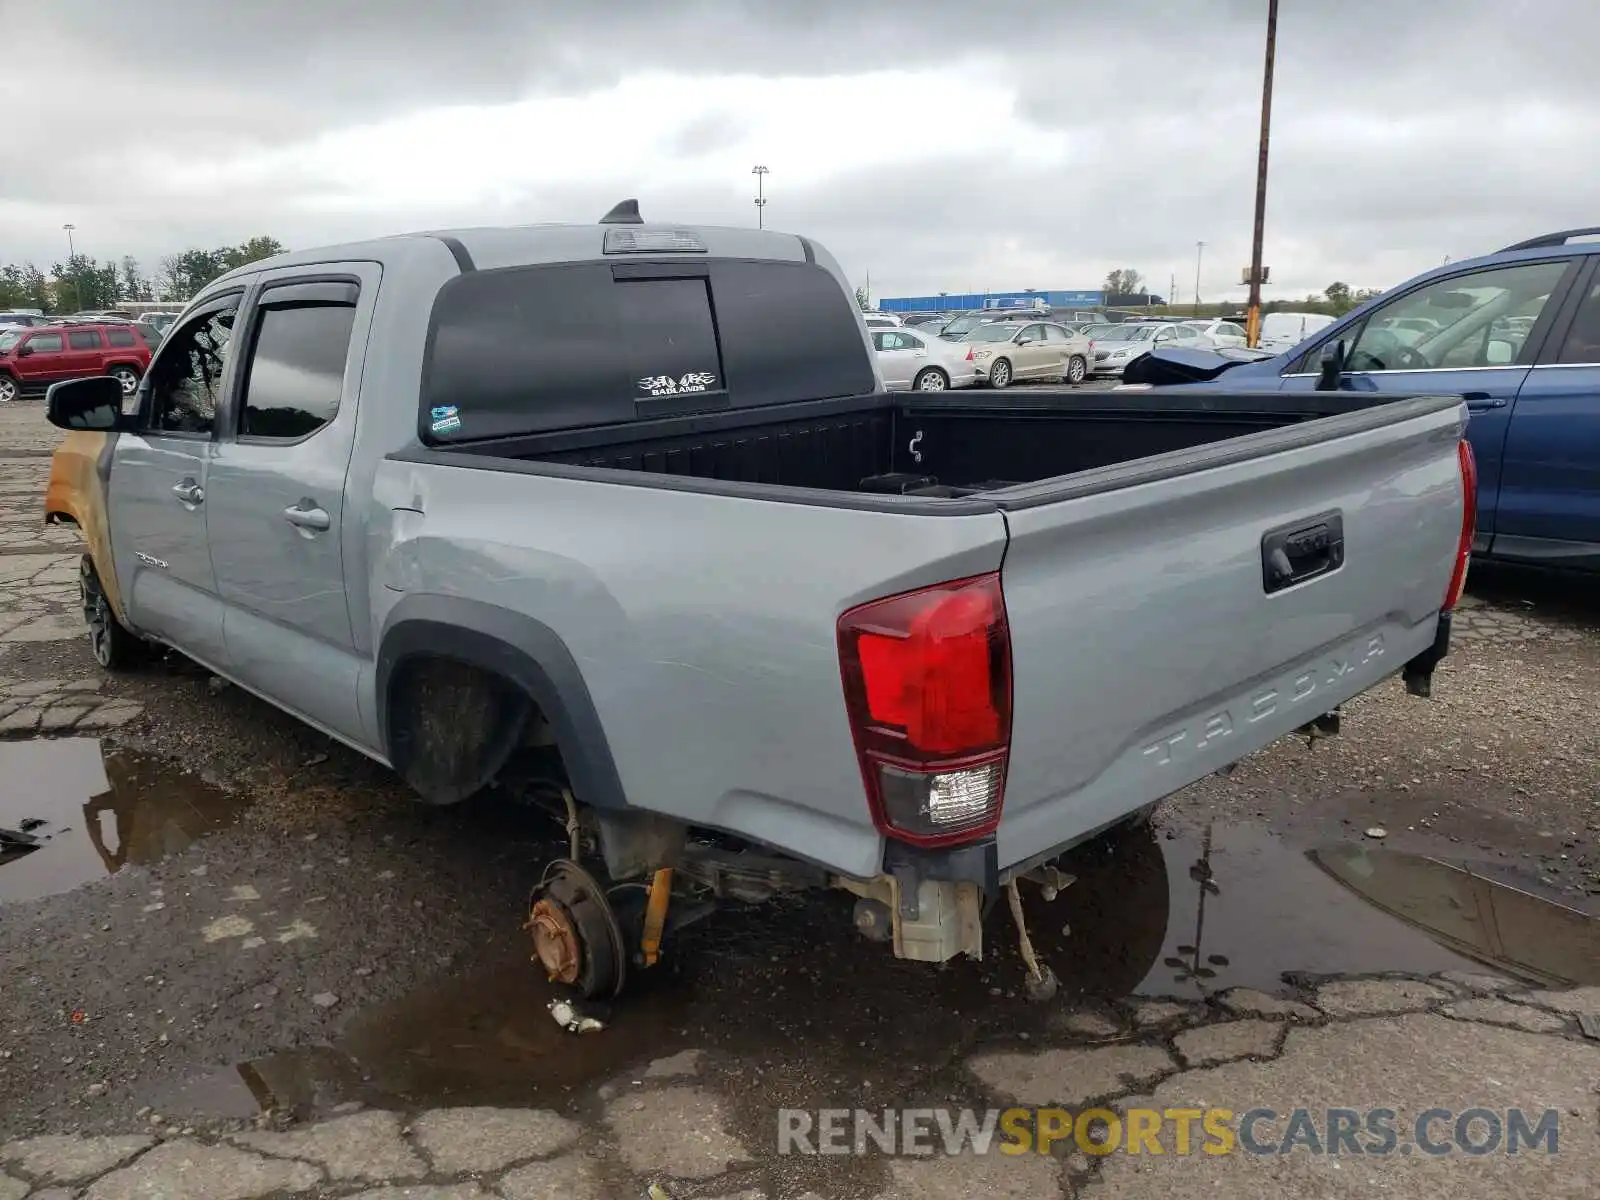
{"x": 625, "y": 213}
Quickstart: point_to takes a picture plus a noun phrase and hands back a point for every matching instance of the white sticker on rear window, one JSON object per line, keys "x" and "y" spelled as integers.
{"x": 666, "y": 385}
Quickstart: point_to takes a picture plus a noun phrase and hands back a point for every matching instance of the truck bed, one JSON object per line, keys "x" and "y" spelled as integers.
{"x": 696, "y": 568}
{"x": 941, "y": 447}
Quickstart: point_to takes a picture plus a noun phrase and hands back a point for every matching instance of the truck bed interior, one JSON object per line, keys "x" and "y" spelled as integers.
{"x": 944, "y": 446}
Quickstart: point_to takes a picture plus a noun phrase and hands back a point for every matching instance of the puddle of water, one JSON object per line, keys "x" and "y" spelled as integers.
{"x": 82, "y": 814}
{"x": 482, "y": 1037}
{"x": 790, "y": 986}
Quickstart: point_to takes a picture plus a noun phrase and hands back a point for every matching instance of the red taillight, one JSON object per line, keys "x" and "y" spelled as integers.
{"x": 927, "y": 684}
{"x": 1469, "y": 522}
{"x": 969, "y": 355}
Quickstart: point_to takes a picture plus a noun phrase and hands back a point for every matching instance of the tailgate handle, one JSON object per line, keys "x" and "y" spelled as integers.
{"x": 1292, "y": 554}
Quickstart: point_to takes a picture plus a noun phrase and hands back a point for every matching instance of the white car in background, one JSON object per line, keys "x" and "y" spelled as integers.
{"x": 1223, "y": 334}
{"x": 1282, "y": 331}
{"x": 919, "y": 361}
{"x": 1118, "y": 346}
{"x": 881, "y": 320}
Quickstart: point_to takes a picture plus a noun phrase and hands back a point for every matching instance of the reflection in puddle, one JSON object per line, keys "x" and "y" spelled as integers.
{"x": 72, "y": 814}
{"x": 1524, "y": 935}
{"x": 790, "y": 987}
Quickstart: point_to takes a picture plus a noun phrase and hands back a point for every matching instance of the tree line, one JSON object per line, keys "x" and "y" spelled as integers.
{"x": 1125, "y": 286}
{"x": 84, "y": 283}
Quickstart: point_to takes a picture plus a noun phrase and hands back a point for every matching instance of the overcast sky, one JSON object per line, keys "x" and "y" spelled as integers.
{"x": 938, "y": 146}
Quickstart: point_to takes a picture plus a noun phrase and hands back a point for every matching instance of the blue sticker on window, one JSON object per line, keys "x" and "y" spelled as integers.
{"x": 445, "y": 418}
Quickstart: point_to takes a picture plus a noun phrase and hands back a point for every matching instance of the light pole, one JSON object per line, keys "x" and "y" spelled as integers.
{"x": 1253, "y": 320}
{"x": 761, "y": 200}
{"x": 1199, "y": 254}
{"x": 72, "y": 253}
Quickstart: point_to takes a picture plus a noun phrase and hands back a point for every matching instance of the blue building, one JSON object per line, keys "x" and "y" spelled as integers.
{"x": 962, "y": 301}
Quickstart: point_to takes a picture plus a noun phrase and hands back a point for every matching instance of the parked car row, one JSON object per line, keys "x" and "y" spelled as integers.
{"x": 996, "y": 353}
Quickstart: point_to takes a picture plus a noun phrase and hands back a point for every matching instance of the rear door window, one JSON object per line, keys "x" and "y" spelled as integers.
{"x": 537, "y": 349}
{"x": 83, "y": 339}
{"x": 120, "y": 337}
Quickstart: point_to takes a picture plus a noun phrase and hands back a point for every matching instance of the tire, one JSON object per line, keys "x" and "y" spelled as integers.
{"x": 1000, "y": 374}
{"x": 115, "y": 649}
{"x": 930, "y": 379}
{"x": 10, "y": 389}
{"x": 1077, "y": 370}
{"x": 127, "y": 376}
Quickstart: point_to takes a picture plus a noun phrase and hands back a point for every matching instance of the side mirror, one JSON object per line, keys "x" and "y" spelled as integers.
{"x": 1023, "y": 341}
{"x": 1332, "y": 366}
{"x": 25, "y": 349}
{"x": 93, "y": 403}
{"x": 1499, "y": 353}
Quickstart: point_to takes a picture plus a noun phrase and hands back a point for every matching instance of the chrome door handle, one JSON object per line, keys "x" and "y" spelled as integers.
{"x": 189, "y": 492}
{"x": 307, "y": 518}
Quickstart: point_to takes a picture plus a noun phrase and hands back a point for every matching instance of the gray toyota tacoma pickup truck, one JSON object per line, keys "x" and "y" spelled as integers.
{"x": 620, "y": 518}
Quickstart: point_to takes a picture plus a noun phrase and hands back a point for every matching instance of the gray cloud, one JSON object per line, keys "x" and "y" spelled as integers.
{"x": 1401, "y": 132}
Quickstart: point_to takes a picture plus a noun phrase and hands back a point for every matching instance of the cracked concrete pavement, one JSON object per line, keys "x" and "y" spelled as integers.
{"x": 1456, "y": 1041}
{"x": 328, "y": 996}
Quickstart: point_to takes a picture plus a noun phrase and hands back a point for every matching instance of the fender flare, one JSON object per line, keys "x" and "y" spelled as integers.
{"x": 520, "y": 649}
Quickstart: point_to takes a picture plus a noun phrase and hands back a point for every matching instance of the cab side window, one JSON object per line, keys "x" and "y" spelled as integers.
{"x": 186, "y": 378}
{"x": 294, "y": 374}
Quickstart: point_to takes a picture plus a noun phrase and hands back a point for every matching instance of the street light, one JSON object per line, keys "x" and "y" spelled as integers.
{"x": 1199, "y": 253}
{"x": 1253, "y": 320}
{"x": 761, "y": 200}
{"x": 72, "y": 253}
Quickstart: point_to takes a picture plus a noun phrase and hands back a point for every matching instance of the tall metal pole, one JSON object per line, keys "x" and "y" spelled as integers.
{"x": 1199, "y": 254}
{"x": 1253, "y": 321}
{"x": 72, "y": 253}
{"x": 761, "y": 200}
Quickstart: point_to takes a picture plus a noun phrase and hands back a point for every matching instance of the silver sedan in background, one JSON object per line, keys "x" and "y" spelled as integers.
{"x": 918, "y": 361}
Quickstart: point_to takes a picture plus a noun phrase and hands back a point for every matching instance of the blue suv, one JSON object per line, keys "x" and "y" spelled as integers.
{"x": 1517, "y": 334}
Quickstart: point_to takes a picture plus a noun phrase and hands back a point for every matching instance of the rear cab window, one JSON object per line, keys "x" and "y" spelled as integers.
{"x": 538, "y": 349}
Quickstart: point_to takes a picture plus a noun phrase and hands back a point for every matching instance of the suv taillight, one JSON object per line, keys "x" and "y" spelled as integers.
{"x": 1469, "y": 522}
{"x": 927, "y": 684}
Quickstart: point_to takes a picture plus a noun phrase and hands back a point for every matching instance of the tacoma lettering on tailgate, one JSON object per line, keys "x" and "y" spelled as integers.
{"x": 1213, "y": 727}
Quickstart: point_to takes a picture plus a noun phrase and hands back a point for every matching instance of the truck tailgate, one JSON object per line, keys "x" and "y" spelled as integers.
{"x": 1147, "y": 649}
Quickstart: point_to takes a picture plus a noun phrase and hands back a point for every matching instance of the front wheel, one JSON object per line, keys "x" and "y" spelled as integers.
{"x": 1000, "y": 374}
{"x": 127, "y": 377}
{"x": 1077, "y": 369}
{"x": 114, "y": 647}
{"x": 930, "y": 379}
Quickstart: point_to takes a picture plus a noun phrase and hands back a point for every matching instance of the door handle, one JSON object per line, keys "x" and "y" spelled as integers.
{"x": 189, "y": 492}
{"x": 1478, "y": 402}
{"x": 303, "y": 517}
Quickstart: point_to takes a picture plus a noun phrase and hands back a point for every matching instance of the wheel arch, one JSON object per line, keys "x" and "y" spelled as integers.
{"x": 519, "y": 650}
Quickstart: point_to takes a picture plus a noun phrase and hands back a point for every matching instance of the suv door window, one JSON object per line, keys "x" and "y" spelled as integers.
{"x": 186, "y": 378}
{"x": 1582, "y": 344}
{"x": 1463, "y": 321}
{"x": 83, "y": 339}
{"x": 46, "y": 343}
{"x": 295, "y": 370}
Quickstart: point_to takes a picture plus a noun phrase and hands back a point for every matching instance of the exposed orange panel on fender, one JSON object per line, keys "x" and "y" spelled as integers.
{"x": 77, "y": 491}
